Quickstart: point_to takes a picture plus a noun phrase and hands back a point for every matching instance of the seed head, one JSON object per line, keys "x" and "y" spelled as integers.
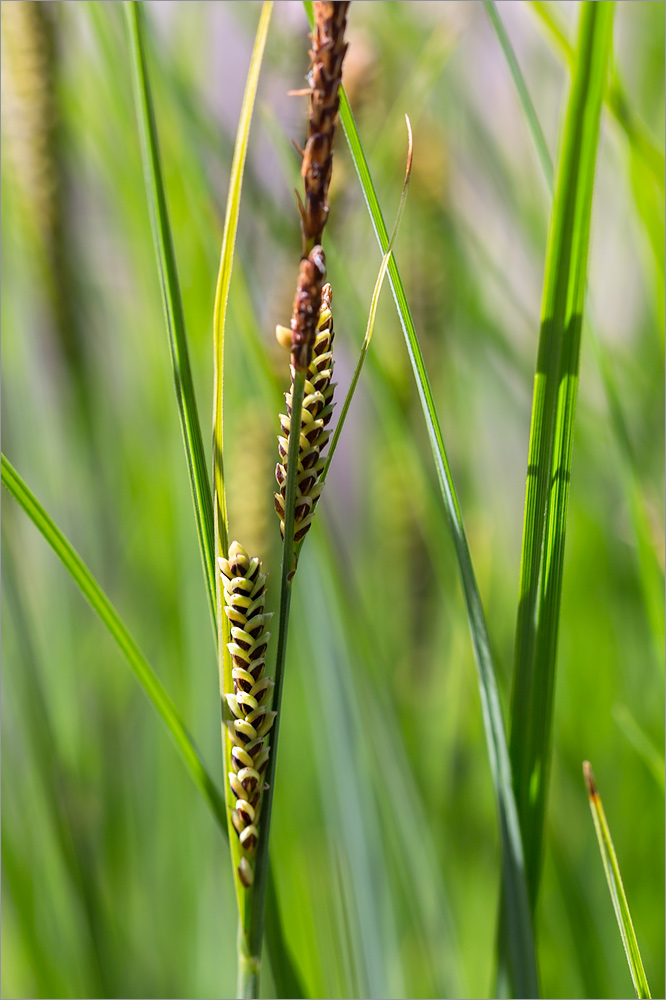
{"x": 244, "y": 594}
{"x": 315, "y": 417}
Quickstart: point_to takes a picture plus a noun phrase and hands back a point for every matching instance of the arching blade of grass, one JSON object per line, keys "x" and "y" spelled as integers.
{"x": 522, "y": 957}
{"x": 285, "y": 974}
{"x": 171, "y": 298}
{"x": 615, "y": 886}
{"x": 248, "y": 953}
{"x": 101, "y": 604}
{"x": 551, "y": 435}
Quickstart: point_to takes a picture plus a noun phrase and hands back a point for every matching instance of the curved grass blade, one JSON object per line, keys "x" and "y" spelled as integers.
{"x": 171, "y": 298}
{"x": 224, "y": 281}
{"x": 551, "y": 435}
{"x": 615, "y": 886}
{"x": 101, "y": 604}
{"x": 284, "y": 971}
{"x": 221, "y": 531}
{"x": 523, "y": 961}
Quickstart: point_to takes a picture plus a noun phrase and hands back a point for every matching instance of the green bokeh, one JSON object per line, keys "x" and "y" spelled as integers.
{"x": 115, "y": 880}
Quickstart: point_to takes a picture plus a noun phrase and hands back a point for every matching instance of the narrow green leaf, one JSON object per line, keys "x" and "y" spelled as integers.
{"x": 171, "y": 298}
{"x": 525, "y": 99}
{"x": 616, "y": 887}
{"x": 248, "y": 971}
{"x": 224, "y": 282}
{"x": 551, "y": 436}
{"x": 523, "y": 961}
{"x": 101, "y": 604}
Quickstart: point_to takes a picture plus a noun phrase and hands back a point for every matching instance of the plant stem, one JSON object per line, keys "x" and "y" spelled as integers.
{"x": 249, "y": 941}
{"x": 248, "y": 971}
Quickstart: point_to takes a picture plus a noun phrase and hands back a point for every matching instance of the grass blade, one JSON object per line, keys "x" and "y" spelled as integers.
{"x": 525, "y": 99}
{"x": 171, "y": 298}
{"x": 373, "y": 307}
{"x": 615, "y": 886}
{"x": 101, "y": 604}
{"x": 523, "y": 961}
{"x": 551, "y": 435}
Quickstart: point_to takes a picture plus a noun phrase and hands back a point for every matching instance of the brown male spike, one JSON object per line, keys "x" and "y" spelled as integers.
{"x": 325, "y": 76}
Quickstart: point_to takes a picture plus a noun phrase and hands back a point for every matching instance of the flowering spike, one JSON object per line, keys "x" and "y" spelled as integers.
{"x": 244, "y": 587}
{"x": 317, "y": 410}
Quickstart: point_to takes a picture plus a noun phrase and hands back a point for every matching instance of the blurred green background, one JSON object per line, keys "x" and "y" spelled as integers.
{"x": 116, "y": 882}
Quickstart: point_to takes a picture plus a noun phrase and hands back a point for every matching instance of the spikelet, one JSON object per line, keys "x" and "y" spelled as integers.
{"x": 315, "y": 417}
{"x": 244, "y": 594}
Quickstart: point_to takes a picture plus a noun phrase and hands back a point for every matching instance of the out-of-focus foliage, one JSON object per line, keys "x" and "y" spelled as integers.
{"x": 115, "y": 880}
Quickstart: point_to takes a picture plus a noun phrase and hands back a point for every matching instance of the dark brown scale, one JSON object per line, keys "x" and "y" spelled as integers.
{"x": 259, "y": 651}
{"x": 250, "y": 843}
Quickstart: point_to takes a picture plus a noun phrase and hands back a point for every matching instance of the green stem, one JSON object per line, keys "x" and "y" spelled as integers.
{"x": 248, "y": 971}
{"x": 250, "y": 942}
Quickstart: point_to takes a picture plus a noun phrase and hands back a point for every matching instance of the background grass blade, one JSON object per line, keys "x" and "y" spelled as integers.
{"x": 615, "y": 96}
{"x": 523, "y": 92}
{"x": 551, "y": 436}
{"x": 521, "y": 943}
{"x": 171, "y": 298}
{"x": 615, "y": 886}
{"x": 101, "y": 604}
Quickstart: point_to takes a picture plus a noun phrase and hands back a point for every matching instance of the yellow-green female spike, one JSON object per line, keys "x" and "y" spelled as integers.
{"x": 315, "y": 417}
{"x": 244, "y": 588}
